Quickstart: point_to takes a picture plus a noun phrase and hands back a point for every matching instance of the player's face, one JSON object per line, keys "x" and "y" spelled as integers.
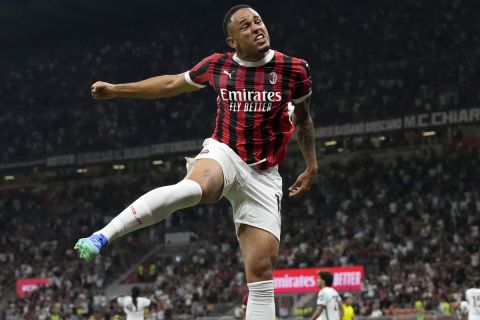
{"x": 319, "y": 282}
{"x": 248, "y": 35}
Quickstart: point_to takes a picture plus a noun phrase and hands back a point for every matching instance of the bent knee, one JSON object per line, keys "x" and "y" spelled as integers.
{"x": 211, "y": 191}
{"x": 261, "y": 268}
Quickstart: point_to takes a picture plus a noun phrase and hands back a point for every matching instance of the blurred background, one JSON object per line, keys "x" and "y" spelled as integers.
{"x": 395, "y": 210}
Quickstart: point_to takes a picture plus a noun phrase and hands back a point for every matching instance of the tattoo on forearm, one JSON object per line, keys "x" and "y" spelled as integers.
{"x": 306, "y": 137}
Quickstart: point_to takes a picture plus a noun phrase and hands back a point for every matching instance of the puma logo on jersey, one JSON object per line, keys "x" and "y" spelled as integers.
{"x": 228, "y": 73}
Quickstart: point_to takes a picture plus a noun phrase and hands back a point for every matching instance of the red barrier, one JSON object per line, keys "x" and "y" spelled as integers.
{"x": 26, "y": 286}
{"x": 305, "y": 280}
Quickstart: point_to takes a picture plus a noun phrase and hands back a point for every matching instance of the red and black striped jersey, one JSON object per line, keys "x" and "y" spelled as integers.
{"x": 252, "y": 115}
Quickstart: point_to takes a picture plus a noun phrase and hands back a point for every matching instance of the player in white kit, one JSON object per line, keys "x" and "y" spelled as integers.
{"x": 134, "y": 306}
{"x": 328, "y": 301}
{"x": 473, "y": 299}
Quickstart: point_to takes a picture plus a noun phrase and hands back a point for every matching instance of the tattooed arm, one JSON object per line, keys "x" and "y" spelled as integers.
{"x": 306, "y": 141}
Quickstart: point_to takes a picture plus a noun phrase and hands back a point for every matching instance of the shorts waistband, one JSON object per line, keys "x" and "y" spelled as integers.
{"x": 253, "y": 165}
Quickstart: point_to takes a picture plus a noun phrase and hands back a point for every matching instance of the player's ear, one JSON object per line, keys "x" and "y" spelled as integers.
{"x": 231, "y": 43}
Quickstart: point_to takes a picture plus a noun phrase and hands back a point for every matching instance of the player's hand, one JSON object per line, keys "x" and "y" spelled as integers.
{"x": 103, "y": 90}
{"x": 303, "y": 184}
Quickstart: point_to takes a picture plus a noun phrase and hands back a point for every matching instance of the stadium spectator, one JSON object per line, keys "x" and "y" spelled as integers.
{"x": 346, "y": 305}
{"x": 376, "y": 311}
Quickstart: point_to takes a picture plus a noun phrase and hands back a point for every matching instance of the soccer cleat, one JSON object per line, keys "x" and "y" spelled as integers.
{"x": 89, "y": 248}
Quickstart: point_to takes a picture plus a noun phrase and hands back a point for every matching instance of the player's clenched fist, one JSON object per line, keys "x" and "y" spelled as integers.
{"x": 102, "y": 90}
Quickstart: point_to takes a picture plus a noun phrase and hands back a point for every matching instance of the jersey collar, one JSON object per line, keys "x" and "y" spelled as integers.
{"x": 258, "y": 63}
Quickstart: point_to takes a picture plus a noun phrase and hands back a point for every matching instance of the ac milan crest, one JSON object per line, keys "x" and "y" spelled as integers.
{"x": 272, "y": 77}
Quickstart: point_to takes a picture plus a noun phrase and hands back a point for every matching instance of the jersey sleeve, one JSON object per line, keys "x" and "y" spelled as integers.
{"x": 303, "y": 82}
{"x": 468, "y": 296}
{"x": 322, "y": 298}
{"x": 145, "y": 302}
{"x": 200, "y": 75}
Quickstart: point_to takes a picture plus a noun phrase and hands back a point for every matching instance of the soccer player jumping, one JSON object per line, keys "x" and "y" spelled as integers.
{"x": 240, "y": 161}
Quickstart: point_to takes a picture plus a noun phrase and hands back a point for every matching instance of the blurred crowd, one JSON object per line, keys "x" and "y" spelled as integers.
{"x": 40, "y": 225}
{"x": 413, "y": 222}
{"x": 368, "y": 61}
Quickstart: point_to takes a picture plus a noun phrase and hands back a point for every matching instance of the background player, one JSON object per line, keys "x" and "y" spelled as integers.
{"x": 473, "y": 299}
{"x": 253, "y": 127}
{"x": 328, "y": 301}
{"x": 134, "y": 306}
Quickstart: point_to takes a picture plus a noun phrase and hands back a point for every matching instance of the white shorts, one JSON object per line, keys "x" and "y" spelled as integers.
{"x": 255, "y": 195}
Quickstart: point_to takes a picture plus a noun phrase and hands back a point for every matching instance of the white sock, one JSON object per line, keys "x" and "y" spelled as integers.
{"x": 153, "y": 207}
{"x": 260, "y": 305}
